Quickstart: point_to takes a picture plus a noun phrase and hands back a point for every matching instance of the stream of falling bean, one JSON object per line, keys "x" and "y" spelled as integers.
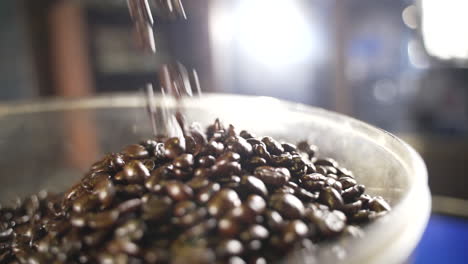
{"x": 175, "y": 80}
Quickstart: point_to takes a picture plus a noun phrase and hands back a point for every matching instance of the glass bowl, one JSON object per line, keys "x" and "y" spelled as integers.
{"x": 50, "y": 144}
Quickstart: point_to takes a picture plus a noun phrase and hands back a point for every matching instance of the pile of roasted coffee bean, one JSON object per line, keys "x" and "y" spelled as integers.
{"x": 210, "y": 197}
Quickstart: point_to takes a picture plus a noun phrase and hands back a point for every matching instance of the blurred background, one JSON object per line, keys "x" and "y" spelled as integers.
{"x": 398, "y": 64}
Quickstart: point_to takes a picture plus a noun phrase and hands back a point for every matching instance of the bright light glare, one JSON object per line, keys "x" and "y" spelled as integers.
{"x": 444, "y": 27}
{"x": 274, "y": 32}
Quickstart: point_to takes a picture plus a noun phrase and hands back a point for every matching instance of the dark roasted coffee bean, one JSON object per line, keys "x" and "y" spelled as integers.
{"x": 261, "y": 151}
{"x": 241, "y": 146}
{"x": 334, "y": 184}
{"x": 206, "y": 161}
{"x": 365, "y": 199}
{"x": 328, "y": 222}
{"x": 272, "y": 176}
{"x": 255, "y": 162}
{"x": 257, "y": 260}
{"x": 6, "y": 234}
{"x": 129, "y": 206}
{"x": 321, "y": 170}
{"x": 130, "y": 190}
{"x": 173, "y": 147}
{"x": 213, "y": 148}
{"x": 156, "y": 207}
{"x": 351, "y": 208}
{"x": 347, "y": 182}
{"x": 135, "y": 172}
{"x": 288, "y": 205}
{"x": 102, "y": 219}
{"x": 289, "y": 147}
{"x": 305, "y": 195}
{"x": 274, "y": 219}
{"x": 178, "y": 191}
{"x": 135, "y": 151}
{"x": 255, "y": 203}
{"x": 326, "y": 162}
{"x": 228, "y": 226}
{"x": 203, "y": 173}
{"x": 133, "y": 229}
{"x": 273, "y": 146}
{"x": 243, "y": 214}
{"x": 183, "y": 161}
{"x": 283, "y": 160}
{"x": 85, "y": 203}
{"x": 353, "y": 193}
{"x": 235, "y": 260}
{"x": 229, "y": 247}
{"x": 245, "y": 134}
{"x": 229, "y": 156}
{"x": 225, "y": 169}
{"x": 294, "y": 231}
{"x": 361, "y": 216}
{"x": 105, "y": 192}
{"x": 182, "y": 208}
{"x": 222, "y": 201}
{"x": 196, "y": 183}
{"x": 331, "y": 197}
{"x": 310, "y": 150}
{"x": 252, "y": 184}
{"x": 343, "y": 172}
{"x": 254, "y": 141}
{"x": 313, "y": 186}
{"x": 254, "y": 232}
{"x": 205, "y": 193}
{"x": 378, "y": 204}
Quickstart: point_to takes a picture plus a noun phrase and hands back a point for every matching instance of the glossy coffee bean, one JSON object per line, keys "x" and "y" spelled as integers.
{"x": 255, "y": 203}
{"x": 206, "y": 161}
{"x": 272, "y": 176}
{"x": 102, "y": 219}
{"x": 252, "y": 184}
{"x": 353, "y": 193}
{"x": 205, "y": 193}
{"x": 178, "y": 191}
{"x": 135, "y": 172}
{"x": 135, "y": 151}
{"x": 228, "y": 226}
{"x": 222, "y": 201}
{"x": 288, "y": 205}
{"x": 156, "y": 207}
{"x": 273, "y": 146}
{"x": 294, "y": 231}
{"x": 173, "y": 147}
{"x": 245, "y": 134}
{"x": 378, "y": 204}
{"x": 310, "y": 150}
{"x": 229, "y": 247}
{"x": 331, "y": 197}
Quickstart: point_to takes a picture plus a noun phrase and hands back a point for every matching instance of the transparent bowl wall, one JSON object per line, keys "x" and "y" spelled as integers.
{"x": 50, "y": 144}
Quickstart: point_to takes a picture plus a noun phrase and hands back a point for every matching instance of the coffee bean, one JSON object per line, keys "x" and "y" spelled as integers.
{"x": 205, "y": 193}
{"x": 353, "y": 193}
{"x": 254, "y": 232}
{"x": 331, "y": 197}
{"x": 178, "y": 191}
{"x": 310, "y": 150}
{"x": 229, "y": 247}
{"x": 288, "y": 147}
{"x": 229, "y": 156}
{"x": 102, "y": 219}
{"x": 347, "y": 182}
{"x": 135, "y": 151}
{"x": 378, "y": 204}
{"x": 129, "y": 206}
{"x": 228, "y": 226}
{"x": 135, "y": 172}
{"x": 241, "y": 146}
{"x": 255, "y": 203}
{"x": 222, "y": 201}
{"x": 245, "y": 134}
{"x": 351, "y": 208}
{"x": 155, "y": 207}
{"x": 85, "y": 203}
{"x": 328, "y": 222}
{"x": 173, "y": 147}
{"x": 273, "y": 146}
{"x": 184, "y": 161}
{"x": 288, "y": 205}
{"x": 105, "y": 192}
{"x": 272, "y": 176}
{"x": 225, "y": 169}
{"x": 206, "y": 161}
{"x": 196, "y": 183}
{"x": 251, "y": 184}
{"x": 294, "y": 231}
{"x": 261, "y": 151}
